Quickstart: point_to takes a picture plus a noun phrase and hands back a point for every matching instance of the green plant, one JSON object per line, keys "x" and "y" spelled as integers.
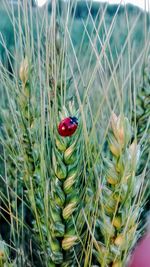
{"x": 66, "y": 200}
{"x": 141, "y": 118}
{"x": 120, "y": 203}
{"x": 76, "y": 200}
{"x": 142, "y": 113}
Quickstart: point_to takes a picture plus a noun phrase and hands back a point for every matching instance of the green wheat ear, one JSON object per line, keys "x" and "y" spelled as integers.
{"x": 66, "y": 195}
{"x": 119, "y": 214}
{"x": 28, "y": 124}
{"x": 15, "y": 125}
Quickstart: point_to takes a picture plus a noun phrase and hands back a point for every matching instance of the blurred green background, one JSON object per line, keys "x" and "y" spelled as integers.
{"x": 124, "y": 22}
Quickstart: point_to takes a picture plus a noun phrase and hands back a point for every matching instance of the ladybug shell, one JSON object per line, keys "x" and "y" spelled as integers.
{"x": 68, "y": 126}
{"x": 141, "y": 254}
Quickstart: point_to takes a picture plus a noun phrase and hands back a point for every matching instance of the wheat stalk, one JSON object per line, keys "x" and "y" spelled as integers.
{"x": 23, "y": 152}
{"x": 66, "y": 195}
{"x": 118, "y": 201}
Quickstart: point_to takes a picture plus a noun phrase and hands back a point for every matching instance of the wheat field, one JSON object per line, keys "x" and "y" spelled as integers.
{"x": 74, "y": 133}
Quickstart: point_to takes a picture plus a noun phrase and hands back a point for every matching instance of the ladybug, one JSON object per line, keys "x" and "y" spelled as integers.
{"x": 68, "y": 126}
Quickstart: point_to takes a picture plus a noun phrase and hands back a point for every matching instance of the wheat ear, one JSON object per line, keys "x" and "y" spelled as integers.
{"x": 119, "y": 213}
{"x": 66, "y": 194}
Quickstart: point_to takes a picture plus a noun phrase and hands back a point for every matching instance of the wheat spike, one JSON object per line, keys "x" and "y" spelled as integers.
{"x": 118, "y": 220}
{"x": 66, "y": 195}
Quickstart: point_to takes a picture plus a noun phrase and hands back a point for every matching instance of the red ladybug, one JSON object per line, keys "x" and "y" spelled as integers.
{"x": 68, "y": 126}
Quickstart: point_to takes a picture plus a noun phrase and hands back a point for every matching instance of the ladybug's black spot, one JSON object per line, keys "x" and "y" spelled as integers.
{"x": 74, "y": 120}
